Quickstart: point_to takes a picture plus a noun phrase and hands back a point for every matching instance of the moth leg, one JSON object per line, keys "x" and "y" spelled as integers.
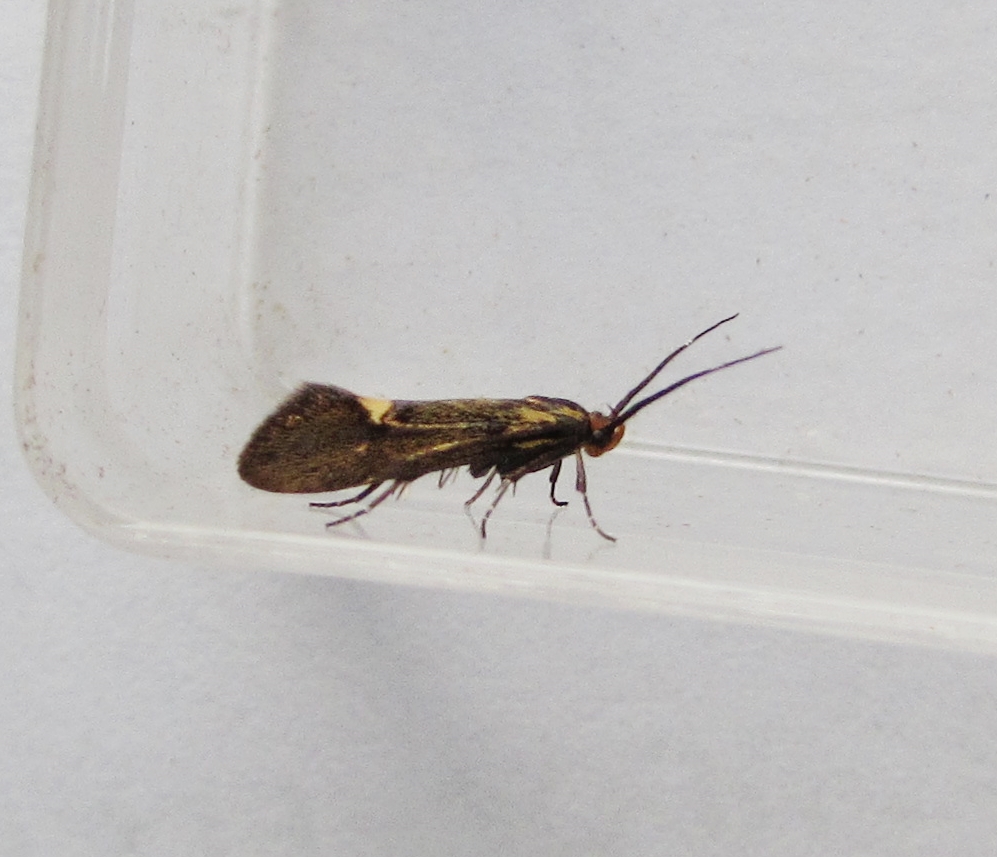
{"x": 447, "y": 475}
{"x": 554, "y": 474}
{"x": 482, "y": 489}
{"x": 581, "y": 487}
{"x": 394, "y": 488}
{"x": 503, "y": 487}
{"x": 370, "y": 489}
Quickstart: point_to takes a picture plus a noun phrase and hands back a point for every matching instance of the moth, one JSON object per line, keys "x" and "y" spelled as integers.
{"x": 324, "y": 438}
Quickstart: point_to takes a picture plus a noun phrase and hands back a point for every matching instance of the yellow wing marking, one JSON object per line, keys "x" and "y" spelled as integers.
{"x": 376, "y": 408}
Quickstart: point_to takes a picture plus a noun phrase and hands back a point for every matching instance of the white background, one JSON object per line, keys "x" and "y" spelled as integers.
{"x": 157, "y": 708}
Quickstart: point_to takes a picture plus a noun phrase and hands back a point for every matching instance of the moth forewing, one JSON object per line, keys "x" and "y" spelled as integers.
{"x": 318, "y": 440}
{"x": 325, "y": 438}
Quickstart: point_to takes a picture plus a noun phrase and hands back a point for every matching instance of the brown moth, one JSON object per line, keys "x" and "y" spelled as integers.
{"x": 324, "y": 438}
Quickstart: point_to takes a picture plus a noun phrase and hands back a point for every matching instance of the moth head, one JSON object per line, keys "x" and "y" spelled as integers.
{"x": 605, "y": 434}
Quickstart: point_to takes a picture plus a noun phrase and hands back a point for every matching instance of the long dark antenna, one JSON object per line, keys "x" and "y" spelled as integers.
{"x": 654, "y": 372}
{"x": 621, "y": 413}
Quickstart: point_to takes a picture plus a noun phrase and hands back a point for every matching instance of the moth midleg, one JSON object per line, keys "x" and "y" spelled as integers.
{"x": 395, "y": 487}
{"x": 370, "y": 489}
{"x": 482, "y": 489}
{"x": 503, "y": 487}
{"x": 581, "y": 486}
{"x": 554, "y": 474}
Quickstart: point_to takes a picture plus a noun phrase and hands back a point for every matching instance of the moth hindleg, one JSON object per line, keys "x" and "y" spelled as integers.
{"x": 503, "y": 487}
{"x": 395, "y": 487}
{"x": 370, "y": 489}
{"x": 477, "y": 494}
{"x": 447, "y": 475}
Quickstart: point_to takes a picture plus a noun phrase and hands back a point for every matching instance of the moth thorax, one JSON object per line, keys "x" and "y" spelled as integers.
{"x": 601, "y": 441}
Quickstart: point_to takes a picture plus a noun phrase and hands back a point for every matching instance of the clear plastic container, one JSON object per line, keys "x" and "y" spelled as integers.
{"x": 459, "y": 201}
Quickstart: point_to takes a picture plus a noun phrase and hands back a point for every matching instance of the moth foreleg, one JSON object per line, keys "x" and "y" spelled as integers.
{"x": 554, "y": 474}
{"x": 395, "y": 487}
{"x": 370, "y": 489}
{"x": 581, "y": 486}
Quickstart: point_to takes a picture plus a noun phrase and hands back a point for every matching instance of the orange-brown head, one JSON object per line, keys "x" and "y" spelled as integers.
{"x": 605, "y": 435}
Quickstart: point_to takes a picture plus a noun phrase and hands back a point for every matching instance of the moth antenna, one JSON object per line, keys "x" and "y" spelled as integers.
{"x": 621, "y": 418}
{"x": 654, "y": 372}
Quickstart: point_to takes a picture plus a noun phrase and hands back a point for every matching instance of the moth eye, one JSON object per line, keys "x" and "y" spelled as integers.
{"x": 602, "y": 442}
